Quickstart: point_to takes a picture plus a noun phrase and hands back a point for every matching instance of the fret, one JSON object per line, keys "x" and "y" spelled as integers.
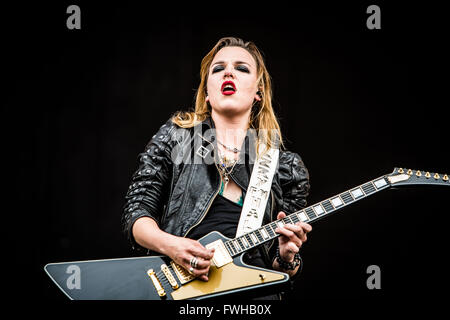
{"x": 235, "y": 249}
{"x": 368, "y": 188}
{"x": 259, "y": 235}
{"x": 294, "y": 218}
{"x": 269, "y": 230}
{"x": 327, "y": 205}
{"x": 245, "y": 242}
{"x": 247, "y": 237}
{"x": 357, "y": 193}
{"x": 230, "y": 249}
{"x": 347, "y": 197}
{"x": 319, "y": 210}
{"x": 238, "y": 246}
{"x": 273, "y": 226}
{"x": 287, "y": 220}
{"x": 302, "y": 215}
{"x": 380, "y": 183}
{"x": 241, "y": 245}
{"x": 264, "y": 233}
{"x": 280, "y": 223}
{"x": 310, "y": 213}
{"x": 254, "y": 239}
{"x": 336, "y": 202}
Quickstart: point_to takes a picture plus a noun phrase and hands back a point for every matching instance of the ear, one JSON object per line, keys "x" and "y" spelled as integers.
{"x": 207, "y": 99}
{"x": 258, "y": 96}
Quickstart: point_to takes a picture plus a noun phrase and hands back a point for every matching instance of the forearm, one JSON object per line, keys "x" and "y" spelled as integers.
{"x": 148, "y": 235}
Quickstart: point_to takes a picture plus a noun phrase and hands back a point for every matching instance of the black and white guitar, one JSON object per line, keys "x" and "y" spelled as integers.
{"x": 159, "y": 278}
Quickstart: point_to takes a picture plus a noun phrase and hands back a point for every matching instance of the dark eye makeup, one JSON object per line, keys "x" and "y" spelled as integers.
{"x": 240, "y": 67}
{"x": 217, "y": 69}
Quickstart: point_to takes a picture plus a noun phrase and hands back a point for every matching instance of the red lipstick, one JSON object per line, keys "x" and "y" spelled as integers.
{"x": 228, "y": 88}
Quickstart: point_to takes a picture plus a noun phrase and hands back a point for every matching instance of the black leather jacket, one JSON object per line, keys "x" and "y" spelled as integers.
{"x": 175, "y": 186}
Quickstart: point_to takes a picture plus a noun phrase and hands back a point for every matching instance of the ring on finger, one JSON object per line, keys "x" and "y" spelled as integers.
{"x": 191, "y": 270}
{"x": 193, "y": 262}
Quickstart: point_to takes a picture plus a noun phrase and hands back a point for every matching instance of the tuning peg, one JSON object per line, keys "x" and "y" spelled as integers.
{"x": 400, "y": 170}
{"x": 409, "y": 172}
{"x": 445, "y": 177}
{"x": 427, "y": 175}
{"x": 418, "y": 173}
{"x": 436, "y": 176}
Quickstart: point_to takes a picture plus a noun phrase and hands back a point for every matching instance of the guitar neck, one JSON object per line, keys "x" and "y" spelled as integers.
{"x": 309, "y": 215}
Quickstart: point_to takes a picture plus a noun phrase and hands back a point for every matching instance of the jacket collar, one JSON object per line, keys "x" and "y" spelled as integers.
{"x": 242, "y": 170}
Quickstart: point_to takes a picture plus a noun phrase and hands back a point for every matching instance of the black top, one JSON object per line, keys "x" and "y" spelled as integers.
{"x": 223, "y": 216}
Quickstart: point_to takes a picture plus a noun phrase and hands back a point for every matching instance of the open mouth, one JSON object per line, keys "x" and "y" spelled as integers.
{"x": 228, "y": 88}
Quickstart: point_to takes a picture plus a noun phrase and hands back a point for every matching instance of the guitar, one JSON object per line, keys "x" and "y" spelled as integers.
{"x": 159, "y": 278}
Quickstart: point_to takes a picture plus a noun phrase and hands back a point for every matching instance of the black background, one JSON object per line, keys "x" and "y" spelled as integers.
{"x": 80, "y": 105}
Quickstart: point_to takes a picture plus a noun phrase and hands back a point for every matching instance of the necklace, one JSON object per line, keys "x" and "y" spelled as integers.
{"x": 225, "y": 167}
{"x": 235, "y": 150}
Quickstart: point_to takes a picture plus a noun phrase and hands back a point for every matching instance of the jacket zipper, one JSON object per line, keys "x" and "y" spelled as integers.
{"x": 206, "y": 211}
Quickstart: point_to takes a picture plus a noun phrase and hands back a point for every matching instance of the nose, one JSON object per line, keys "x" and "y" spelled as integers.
{"x": 228, "y": 72}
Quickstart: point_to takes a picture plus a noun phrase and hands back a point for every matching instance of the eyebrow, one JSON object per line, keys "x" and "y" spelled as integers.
{"x": 235, "y": 63}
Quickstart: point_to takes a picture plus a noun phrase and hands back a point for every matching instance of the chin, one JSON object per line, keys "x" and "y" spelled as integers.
{"x": 231, "y": 109}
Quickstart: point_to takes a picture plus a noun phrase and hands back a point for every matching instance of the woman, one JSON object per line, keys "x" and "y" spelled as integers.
{"x": 176, "y": 197}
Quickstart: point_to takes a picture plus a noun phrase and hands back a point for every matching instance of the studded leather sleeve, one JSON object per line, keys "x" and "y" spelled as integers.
{"x": 294, "y": 181}
{"x": 150, "y": 184}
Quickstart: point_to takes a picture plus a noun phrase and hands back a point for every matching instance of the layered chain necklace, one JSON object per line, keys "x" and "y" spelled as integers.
{"x": 226, "y": 165}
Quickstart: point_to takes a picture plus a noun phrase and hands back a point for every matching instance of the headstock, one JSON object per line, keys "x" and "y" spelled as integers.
{"x": 402, "y": 176}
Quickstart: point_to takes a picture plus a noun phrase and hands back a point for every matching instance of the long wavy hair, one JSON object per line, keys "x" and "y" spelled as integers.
{"x": 262, "y": 117}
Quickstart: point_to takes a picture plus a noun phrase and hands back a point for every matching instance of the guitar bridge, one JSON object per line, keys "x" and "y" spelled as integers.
{"x": 182, "y": 274}
{"x": 161, "y": 292}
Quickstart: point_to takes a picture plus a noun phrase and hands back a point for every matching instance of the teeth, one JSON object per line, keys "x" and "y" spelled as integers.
{"x": 228, "y": 87}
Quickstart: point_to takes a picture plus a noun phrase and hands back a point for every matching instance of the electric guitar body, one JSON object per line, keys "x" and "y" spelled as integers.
{"x": 142, "y": 278}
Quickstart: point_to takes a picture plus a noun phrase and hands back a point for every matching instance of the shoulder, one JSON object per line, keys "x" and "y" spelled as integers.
{"x": 167, "y": 131}
{"x": 291, "y": 167}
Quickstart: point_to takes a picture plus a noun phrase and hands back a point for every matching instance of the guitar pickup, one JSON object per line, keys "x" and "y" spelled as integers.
{"x": 173, "y": 283}
{"x": 221, "y": 255}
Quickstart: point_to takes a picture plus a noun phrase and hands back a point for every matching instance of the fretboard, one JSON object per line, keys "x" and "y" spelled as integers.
{"x": 310, "y": 214}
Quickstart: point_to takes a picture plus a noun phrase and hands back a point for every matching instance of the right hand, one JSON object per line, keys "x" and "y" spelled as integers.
{"x": 183, "y": 249}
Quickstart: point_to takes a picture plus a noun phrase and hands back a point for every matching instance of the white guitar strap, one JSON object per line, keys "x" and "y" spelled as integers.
{"x": 258, "y": 192}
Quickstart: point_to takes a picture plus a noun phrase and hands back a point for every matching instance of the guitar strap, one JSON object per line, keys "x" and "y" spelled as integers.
{"x": 258, "y": 191}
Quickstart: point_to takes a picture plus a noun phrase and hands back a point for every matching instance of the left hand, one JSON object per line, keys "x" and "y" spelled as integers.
{"x": 291, "y": 238}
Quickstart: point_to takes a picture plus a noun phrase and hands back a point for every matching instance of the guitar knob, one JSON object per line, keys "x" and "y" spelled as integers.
{"x": 445, "y": 177}
{"x": 418, "y": 173}
{"x": 427, "y": 175}
{"x": 436, "y": 176}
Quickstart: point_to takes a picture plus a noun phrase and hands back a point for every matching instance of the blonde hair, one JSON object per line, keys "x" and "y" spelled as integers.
{"x": 262, "y": 117}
